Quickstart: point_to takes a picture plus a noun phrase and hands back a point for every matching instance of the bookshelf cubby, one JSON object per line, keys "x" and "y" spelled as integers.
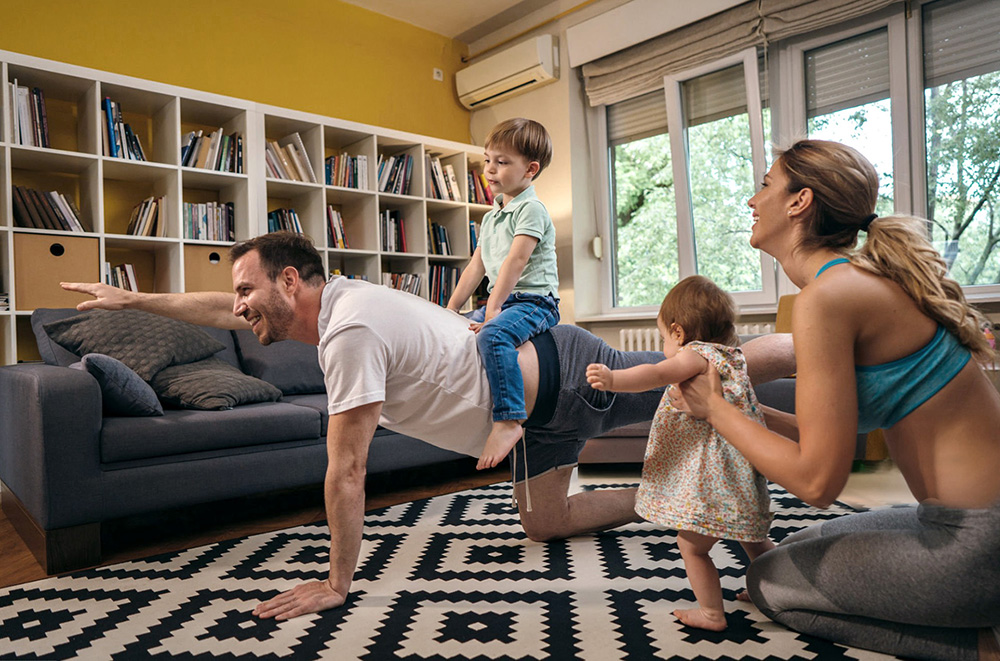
{"x": 105, "y": 189}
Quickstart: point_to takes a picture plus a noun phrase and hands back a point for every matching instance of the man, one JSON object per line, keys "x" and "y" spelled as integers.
{"x": 395, "y": 359}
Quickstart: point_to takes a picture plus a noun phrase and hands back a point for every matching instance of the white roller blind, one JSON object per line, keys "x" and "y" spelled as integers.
{"x": 848, "y": 73}
{"x": 961, "y": 40}
{"x": 713, "y": 96}
{"x": 637, "y": 118}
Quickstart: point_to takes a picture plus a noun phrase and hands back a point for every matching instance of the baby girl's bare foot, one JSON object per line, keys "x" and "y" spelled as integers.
{"x": 702, "y": 619}
{"x": 503, "y": 437}
{"x": 743, "y": 596}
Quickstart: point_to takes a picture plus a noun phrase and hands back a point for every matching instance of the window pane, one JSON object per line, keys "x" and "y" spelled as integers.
{"x": 720, "y": 169}
{"x": 847, "y": 86}
{"x": 962, "y": 133}
{"x": 645, "y": 221}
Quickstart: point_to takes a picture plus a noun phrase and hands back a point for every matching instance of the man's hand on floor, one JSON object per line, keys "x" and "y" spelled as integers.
{"x": 306, "y": 598}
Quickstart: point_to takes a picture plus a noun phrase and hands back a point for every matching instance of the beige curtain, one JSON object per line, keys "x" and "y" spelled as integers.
{"x": 641, "y": 68}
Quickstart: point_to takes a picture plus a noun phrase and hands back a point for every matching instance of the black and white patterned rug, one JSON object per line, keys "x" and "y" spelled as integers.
{"x": 451, "y": 577}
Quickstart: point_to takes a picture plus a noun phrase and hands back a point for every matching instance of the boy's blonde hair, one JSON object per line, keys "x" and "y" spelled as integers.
{"x": 702, "y": 309}
{"x": 526, "y": 137}
{"x": 845, "y": 189}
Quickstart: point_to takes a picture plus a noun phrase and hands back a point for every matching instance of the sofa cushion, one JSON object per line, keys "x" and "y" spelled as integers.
{"x": 123, "y": 392}
{"x": 210, "y": 384}
{"x": 180, "y": 432}
{"x": 290, "y": 365}
{"x": 145, "y": 342}
{"x": 316, "y": 402}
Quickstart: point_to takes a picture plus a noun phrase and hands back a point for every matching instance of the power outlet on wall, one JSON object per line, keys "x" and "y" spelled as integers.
{"x": 438, "y": 74}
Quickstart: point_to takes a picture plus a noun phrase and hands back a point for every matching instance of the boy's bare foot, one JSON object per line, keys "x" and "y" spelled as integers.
{"x": 989, "y": 647}
{"x": 701, "y": 619}
{"x": 503, "y": 437}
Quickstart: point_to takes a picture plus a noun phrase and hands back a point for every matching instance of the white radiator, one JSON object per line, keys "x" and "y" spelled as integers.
{"x": 648, "y": 339}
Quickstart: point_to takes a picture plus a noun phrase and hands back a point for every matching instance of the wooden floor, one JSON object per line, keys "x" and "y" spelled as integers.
{"x": 197, "y": 526}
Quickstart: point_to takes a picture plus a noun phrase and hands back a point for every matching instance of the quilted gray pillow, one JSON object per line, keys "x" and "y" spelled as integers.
{"x": 145, "y": 342}
{"x": 211, "y": 384}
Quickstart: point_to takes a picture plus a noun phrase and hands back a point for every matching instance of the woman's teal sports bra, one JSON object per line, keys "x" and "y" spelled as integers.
{"x": 889, "y": 392}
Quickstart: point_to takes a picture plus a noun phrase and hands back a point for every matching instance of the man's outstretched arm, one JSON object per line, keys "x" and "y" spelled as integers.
{"x": 348, "y": 436}
{"x": 203, "y": 308}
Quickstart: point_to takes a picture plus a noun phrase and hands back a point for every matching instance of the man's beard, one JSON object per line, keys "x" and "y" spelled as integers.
{"x": 277, "y": 319}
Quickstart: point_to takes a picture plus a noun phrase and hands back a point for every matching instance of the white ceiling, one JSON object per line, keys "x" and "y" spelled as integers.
{"x": 464, "y": 20}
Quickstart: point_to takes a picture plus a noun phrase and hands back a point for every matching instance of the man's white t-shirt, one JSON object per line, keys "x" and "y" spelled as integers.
{"x": 421, "y": 360}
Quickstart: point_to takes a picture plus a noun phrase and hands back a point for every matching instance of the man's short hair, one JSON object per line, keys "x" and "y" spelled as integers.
{"x": 279, "y": 250}
{"x": 525, "y": 136}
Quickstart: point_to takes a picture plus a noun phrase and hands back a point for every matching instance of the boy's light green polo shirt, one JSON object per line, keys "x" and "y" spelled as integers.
{"x": 525, "y": 214}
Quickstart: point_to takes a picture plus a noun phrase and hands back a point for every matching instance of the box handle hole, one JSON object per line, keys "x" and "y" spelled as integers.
{"x": 57, "y": 249}
{"x": 214, "y": 257}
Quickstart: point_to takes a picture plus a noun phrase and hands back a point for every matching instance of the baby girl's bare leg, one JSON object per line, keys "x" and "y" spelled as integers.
{"x": 704, "y": 578}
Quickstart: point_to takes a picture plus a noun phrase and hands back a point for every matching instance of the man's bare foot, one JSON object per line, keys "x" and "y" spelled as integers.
{"x": 701, "y": 619}
{"x": 503, "y": 437}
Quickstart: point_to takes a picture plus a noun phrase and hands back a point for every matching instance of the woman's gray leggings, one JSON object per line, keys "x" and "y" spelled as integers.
{"x": 915, "y": 581}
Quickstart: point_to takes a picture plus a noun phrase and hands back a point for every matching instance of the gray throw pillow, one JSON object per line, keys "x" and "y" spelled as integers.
{"x": 123, "y": 392}
{"x": 210, "y": 384}
{"x": 145, "y": 342}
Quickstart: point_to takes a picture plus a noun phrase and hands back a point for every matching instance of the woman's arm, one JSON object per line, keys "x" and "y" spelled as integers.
{"x": 816, "y": 468}
{"x": 683, "y": 366}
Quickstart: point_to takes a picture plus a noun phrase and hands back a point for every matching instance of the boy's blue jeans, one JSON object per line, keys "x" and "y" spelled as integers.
{"x": 522, "y": 317}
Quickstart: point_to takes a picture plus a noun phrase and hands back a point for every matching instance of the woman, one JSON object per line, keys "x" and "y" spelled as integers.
{"x": 883, "y": 339}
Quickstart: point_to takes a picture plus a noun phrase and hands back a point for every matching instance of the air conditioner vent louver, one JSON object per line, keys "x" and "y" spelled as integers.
{"x": 514, "y": 71}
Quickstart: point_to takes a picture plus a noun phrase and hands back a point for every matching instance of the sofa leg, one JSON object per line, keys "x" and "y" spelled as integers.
{"x": 59, "y": 550}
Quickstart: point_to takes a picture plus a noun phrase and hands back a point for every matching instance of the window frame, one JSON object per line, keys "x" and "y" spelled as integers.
{"x": 680, "y": 159}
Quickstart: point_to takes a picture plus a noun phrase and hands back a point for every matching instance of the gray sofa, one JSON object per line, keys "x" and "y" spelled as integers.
{"x": 66, "y": 467}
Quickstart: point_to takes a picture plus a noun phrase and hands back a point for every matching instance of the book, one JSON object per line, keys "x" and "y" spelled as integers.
{"x": 21, "y": 216}
{"x": 338, "y": 235}
{"x": 299, "y": 149}
{"x": 283, "y": 219}
{"x": 452, "y": 182}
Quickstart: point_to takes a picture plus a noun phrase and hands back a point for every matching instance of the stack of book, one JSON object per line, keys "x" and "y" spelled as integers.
{"x": 393, "y": 231}
{"x": 223, "y": 153}
{"x": 437, "y": 239}
{"x": 347, "y": 171}
{"x": 444, "y": 279}
{"x": 145, "y": 219}
{"x": 287, "y": 159}
{"x": 441, "y": 181}
{"x": 4, "y": 302}
{"x": 394, "y": 174}
{"x": 45, "y": 211}
{"x": 29, "y": 124}
{"x": 338, "y": 236}
{"x": 121, "y": 276}
{"x": 118, "y": 138}
{"x": 283, "y": 219}
{"x": 408, "y": 282}
{"x": 210, "y": 221}
{"x": 473, "y": 241}
{"x": 479, "y": 190}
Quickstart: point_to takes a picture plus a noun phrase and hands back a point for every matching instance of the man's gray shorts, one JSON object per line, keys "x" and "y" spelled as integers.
{"x": 580, "y": 412}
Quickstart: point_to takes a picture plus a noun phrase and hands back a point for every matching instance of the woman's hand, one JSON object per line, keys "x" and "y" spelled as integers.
{"x": 698, "y": 394}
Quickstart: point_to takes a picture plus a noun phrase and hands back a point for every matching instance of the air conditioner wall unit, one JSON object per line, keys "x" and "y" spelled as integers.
{"x": 518, "y": 69}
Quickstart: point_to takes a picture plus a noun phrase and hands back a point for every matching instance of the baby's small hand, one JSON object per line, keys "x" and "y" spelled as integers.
{"x": 599, "y": 376}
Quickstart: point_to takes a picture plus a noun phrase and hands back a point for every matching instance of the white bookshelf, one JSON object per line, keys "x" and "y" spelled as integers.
{"x": 105, "y": 189}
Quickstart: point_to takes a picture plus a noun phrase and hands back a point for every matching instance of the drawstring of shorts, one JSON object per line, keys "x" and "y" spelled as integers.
{"x": 527, "y": 490}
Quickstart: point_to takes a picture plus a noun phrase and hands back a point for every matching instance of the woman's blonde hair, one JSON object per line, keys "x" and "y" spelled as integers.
{"x": 844, "y": 185}
{"x": 702, "y": 309}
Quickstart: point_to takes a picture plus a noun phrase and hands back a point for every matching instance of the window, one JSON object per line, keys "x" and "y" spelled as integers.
{"x": 961, "y": 62}
{"x": 847, "y": 100}
{"x": 644, "y": 212}
{"x": 915, "y": 88}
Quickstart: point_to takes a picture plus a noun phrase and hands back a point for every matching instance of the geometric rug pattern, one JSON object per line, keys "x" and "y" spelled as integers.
{"x": 450, "y": 577}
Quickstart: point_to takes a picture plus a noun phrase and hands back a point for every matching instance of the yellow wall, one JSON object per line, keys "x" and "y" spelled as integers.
{"x": 320, "y": 56}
